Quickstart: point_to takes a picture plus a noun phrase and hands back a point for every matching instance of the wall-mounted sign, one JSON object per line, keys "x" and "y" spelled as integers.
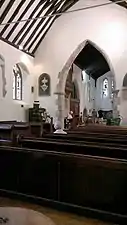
{"x": 44, "y": 84}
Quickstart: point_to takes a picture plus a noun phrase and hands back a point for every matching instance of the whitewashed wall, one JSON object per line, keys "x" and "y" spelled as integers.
{"x": 9, "y": 108}
{"x": 87, "y": 101}
{"x": 96, "y": 100}
{"x": 105, "y": 26}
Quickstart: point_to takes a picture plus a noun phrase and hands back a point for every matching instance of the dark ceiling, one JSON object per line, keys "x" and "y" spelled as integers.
{"x": 92, "y": 61}
{"x": 29, "y": 34}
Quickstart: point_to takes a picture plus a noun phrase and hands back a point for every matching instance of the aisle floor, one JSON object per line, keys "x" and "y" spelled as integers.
{"x": 59, "y": 218}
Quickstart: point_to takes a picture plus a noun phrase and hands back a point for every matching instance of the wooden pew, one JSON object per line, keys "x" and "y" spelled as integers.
{"x": 6, "y": 132}
{"x": 109, "y": 141}
{"x": 88, "y": 138}
{"x": 102, "y": 129}
{"x": 98, "y": 149}
{"x": 10, "y": 131}
{"x": 89, "y": 185}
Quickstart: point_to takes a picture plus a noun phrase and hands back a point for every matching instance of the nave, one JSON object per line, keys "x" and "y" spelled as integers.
{"x": 63, "y": 104}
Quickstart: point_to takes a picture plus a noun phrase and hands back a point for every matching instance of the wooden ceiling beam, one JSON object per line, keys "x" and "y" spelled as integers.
{"x": 19, "y": 19}
{"x": 123, "y": 4}
{"x": 1, "y": 3}
{"x": 63, "y": 9}
{"x": 13, "y": 16}
{"x": 50, "y": 6}
{"x": 30, "y": 17}
{"x": 46, "y": 24}
{"x": 53, "y": 8}
{"x": 8, "y": 7}
{"x": 33, "y": 22}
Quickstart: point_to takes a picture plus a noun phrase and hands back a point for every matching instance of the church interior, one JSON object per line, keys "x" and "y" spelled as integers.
{"x": 63, "y": 104}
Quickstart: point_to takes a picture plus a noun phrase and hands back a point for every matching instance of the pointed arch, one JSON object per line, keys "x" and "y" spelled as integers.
{"x": 62, "y": 76}
{"x": 125, "y": 81}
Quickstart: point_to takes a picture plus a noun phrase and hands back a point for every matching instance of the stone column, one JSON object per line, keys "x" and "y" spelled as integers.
{"x": 60, "y": 103}
{"x": 115, "y": 103}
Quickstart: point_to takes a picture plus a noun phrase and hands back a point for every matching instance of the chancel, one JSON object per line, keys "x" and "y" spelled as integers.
{"x": 63, "y": 104}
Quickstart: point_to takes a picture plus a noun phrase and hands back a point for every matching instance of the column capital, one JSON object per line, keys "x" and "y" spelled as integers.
{"x": 59, "y": 93}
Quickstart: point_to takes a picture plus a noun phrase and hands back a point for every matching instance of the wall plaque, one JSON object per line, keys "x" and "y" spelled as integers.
{"x": 44, "y": 85}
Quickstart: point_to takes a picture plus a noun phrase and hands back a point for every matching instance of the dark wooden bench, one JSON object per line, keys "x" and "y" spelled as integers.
{"x": 9, "y": 131}
{"x": 89, "y": 185}
{"x": 6, "y": 132}
{"x": 98, "y": 149}
{"x": 109, "y": 141}
{"x": 99, "y": 129}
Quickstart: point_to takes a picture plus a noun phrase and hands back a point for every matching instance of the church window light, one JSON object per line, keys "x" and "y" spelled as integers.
{"x": 112, "y": 89}
{"x": 83, "y": 75}
{"x": 105, "y": 88}
{"x": 88, "y": 90}
{"x": 17, "y": 83}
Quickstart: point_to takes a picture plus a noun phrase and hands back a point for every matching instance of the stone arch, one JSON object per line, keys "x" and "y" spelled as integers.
{"x": 125, "y": 81}
{"x": 62, "y": 76}
{"x": 23, "y": 68}
{"x": 2, "y": 65}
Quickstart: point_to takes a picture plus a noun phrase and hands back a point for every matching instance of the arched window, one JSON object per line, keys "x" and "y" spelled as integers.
{"x": 17, "y": 83}
{"x": 105, "y": 88}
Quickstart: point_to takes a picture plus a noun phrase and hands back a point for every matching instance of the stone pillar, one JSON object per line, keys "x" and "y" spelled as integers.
{"x": 115, "y": 103}
{"x": 123, "y": 105}
{"x": 60, "y": 103}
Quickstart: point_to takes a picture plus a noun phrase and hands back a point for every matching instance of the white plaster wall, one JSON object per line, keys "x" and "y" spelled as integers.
{"x": 105, "y": 26}
{"x": 96, "y": 100}
{"x": 9, "y": 108}
{"x": 83, "y": 89}
{"x": 87, "y": 103}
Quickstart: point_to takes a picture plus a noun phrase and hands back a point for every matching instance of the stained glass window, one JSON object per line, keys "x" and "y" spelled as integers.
{"x": 105, "y": 88}
{"x": 17, "y": 83}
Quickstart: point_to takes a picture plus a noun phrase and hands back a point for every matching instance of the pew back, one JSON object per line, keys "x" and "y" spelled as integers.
{"x": 90, "y": 184}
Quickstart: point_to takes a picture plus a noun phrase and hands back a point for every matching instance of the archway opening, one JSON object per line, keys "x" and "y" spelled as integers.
{"x": 97, "y": 79}
{"x": 97, "y": 85}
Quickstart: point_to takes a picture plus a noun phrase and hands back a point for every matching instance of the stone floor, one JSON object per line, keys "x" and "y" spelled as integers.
{"x": 59, "y": 218}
